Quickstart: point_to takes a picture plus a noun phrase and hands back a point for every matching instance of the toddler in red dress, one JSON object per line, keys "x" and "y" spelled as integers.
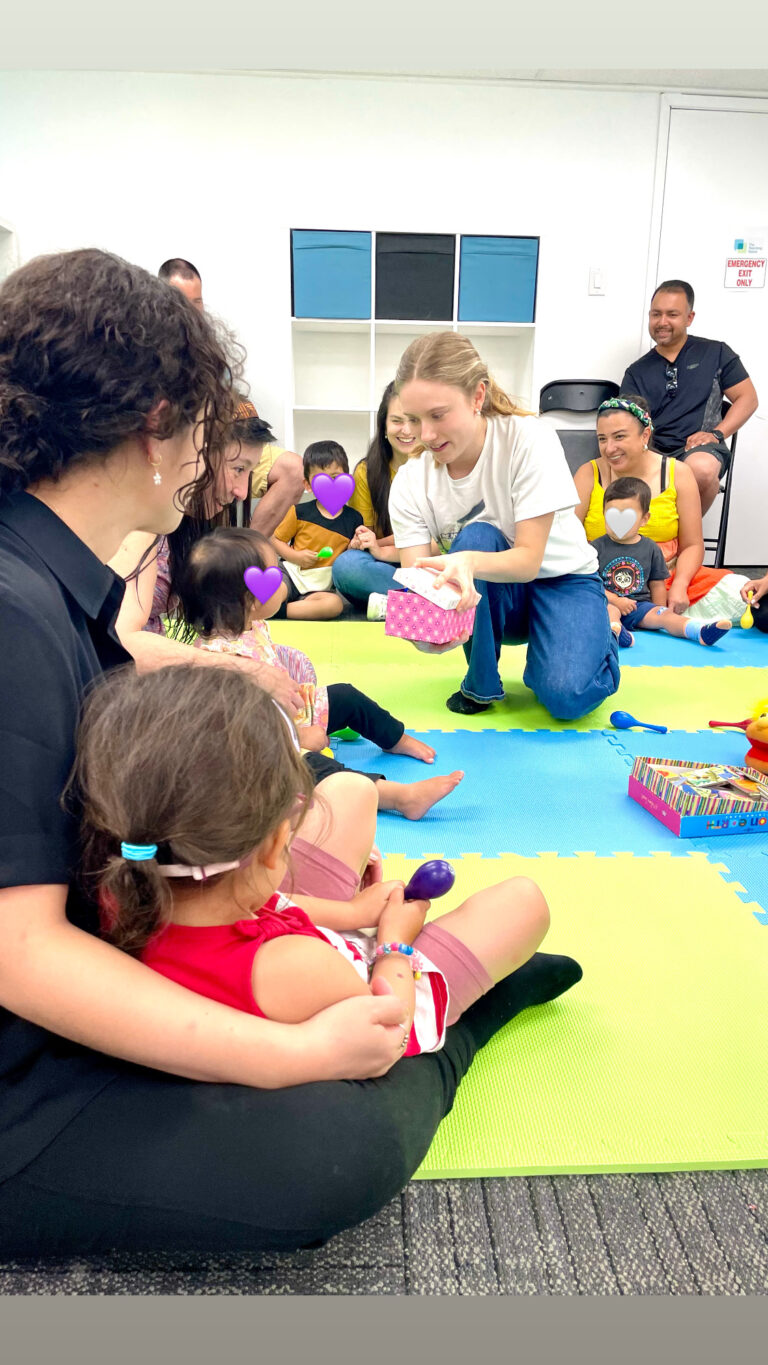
{"x": 192, "y": 865}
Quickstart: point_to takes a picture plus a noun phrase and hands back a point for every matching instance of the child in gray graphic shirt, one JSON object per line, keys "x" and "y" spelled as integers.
{"x": 633, "y": 571}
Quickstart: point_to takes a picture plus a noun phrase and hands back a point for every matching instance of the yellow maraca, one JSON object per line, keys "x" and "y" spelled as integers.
{"x": 748, "y": 619}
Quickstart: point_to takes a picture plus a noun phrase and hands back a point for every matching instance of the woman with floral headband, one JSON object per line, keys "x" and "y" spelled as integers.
{"x": 625, "y": 440}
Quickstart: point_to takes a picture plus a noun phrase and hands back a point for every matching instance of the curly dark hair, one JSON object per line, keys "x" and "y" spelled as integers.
{"x": 89, "y": 344}
{"x": 249, "y": 430}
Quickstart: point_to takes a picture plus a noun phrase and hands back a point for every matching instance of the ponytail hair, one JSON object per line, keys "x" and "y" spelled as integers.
{"x": 197, "y": 764}
{"x": 450, "y": 358}
{"x": 134, "y": 902}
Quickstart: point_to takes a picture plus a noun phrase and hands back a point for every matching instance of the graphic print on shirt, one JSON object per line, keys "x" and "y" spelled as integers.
{"x": 447, "y": 534}
{"x": 624, "y": 575}
{"x": 714, "y": 405}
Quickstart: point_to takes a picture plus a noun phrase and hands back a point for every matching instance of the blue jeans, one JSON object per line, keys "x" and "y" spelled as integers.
{"x": 357, "y": 574}
{"x": 572, "y": 663}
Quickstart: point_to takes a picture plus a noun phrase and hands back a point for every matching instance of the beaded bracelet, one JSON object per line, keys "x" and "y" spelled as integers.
{"x": 407, "y": 950}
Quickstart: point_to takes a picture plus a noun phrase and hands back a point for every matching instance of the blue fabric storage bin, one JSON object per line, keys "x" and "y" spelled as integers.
{"x": 331, "y": 274}
{"x": 497, "y": 279}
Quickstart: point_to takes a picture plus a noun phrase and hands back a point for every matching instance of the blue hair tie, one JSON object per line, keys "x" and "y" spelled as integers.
{"x": 138, "y": 853}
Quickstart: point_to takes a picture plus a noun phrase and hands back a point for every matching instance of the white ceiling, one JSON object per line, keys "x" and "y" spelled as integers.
{"x": 392, "y": 37}
{"x": 707, "y": 79}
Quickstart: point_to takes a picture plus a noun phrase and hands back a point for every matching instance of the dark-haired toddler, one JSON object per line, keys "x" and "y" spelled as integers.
{"x": 633, "y": 571}
{"x": 230, "y": 620}
{"x": 306, "y": 530}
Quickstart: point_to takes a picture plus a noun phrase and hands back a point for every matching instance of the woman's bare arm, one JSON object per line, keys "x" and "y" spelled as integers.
{"x": 139, "y": 589}
{"x": 584, "y": 479}
{"x": 151, "y": 651}
{"x": 690, "y": 554}
{"x": 82, "y": 988}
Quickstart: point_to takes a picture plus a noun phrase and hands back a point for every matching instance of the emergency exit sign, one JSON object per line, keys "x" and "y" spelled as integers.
{"x": 745, "y": 272}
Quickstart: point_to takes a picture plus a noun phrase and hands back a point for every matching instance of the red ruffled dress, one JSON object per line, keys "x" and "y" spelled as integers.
{"x": 216, "y": 961}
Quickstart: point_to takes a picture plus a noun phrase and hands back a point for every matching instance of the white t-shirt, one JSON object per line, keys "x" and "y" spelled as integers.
{"x": 521, "y": 473}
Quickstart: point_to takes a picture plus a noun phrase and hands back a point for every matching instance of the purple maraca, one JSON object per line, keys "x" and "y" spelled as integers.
{"x": 430, "y": 880}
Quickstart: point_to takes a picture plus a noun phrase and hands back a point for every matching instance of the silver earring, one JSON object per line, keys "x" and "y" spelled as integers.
{"x": 157, "y": 477}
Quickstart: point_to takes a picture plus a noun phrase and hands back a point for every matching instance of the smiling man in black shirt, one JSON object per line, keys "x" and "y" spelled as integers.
{"x": 684, "y": 380}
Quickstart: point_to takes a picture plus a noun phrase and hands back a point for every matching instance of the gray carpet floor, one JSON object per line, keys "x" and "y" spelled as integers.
{"x": 701, "y": 1233}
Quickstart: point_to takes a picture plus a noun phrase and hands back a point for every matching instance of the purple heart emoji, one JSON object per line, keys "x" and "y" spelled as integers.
{"x": 263, "y": 583}
{"x": 333, "y": 493}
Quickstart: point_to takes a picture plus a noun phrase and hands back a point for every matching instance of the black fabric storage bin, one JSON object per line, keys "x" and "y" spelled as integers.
{"x": 414, "y": 275}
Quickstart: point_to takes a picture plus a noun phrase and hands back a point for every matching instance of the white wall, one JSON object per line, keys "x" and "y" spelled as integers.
{"x": 218, "y": 168}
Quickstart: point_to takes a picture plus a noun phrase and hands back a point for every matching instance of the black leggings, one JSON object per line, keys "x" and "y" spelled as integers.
{"x": 347, "y": 706}
{"x": 163, "y": 1164}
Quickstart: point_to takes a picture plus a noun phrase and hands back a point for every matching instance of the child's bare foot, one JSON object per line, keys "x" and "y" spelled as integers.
{"x": 414, "y": 799}
{"x": 414, "y": 748}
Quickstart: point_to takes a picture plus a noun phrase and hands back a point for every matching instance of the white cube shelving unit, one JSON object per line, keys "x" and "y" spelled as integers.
{"x": 340, "y": 367}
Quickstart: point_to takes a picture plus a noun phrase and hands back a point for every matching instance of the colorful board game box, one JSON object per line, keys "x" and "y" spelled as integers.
{"x": 695, "y": 799}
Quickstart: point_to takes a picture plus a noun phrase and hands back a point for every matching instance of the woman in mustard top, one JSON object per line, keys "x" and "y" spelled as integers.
{"x": 624, "y": 432}
{"x": 368, "y": 565}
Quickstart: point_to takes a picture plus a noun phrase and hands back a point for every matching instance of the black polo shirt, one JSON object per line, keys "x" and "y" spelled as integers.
{"x": 705, "y": 369}
{"x": 58, "y": 605}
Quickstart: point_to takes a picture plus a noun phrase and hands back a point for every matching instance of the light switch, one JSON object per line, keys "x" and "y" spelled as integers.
{"x": 596, "y": 284}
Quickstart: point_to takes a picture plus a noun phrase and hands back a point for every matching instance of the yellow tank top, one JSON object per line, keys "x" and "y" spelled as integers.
{"x": 663, "y": 523}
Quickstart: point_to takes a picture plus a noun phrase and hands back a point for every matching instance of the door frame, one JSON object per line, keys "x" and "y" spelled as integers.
{"x": 725, "y": 104}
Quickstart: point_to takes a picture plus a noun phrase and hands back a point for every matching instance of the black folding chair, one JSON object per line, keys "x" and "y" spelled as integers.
{"x": 716, "y": 544}
{"x": 577, "y": 395}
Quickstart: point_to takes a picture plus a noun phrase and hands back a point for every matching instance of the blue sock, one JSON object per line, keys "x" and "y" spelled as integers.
{"x": 713, "y": 631}
{"x": 693, "y": 631}
{"x": 625, "y": 638}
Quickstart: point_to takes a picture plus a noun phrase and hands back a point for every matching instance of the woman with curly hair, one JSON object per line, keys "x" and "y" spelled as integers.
{"x": 152, "y": 565}
{"x": 115, "y": 399}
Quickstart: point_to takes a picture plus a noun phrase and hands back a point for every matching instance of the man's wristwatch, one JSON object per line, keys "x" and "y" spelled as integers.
{"x": 718, "y": 434}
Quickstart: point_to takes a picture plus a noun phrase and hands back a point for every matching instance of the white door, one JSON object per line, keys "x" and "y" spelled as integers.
{"x": 715, "y": 196}
{"x": 9, "y": 250}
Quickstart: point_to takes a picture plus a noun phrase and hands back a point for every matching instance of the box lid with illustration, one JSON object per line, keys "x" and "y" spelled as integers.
{"x": 694, "y": 799}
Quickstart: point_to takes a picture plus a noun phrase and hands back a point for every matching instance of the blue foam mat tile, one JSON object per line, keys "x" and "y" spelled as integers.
{"x": 738, "y": 649}
{"x": 702, "y": 746}
{"x": 749, "y": 867}
{"x": 525, "y": 792}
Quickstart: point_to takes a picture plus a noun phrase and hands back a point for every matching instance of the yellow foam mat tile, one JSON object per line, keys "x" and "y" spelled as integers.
{"x": 415, "y": 686}
{"x": 655, "y": 1061}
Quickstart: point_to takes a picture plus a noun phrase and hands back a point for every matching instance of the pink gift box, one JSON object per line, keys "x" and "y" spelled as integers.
{"x": 414, "y": 618}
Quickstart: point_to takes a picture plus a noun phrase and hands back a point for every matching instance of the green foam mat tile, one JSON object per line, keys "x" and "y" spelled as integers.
{"x": 415, "y": 686}
{"x": 655, "y": 1061}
